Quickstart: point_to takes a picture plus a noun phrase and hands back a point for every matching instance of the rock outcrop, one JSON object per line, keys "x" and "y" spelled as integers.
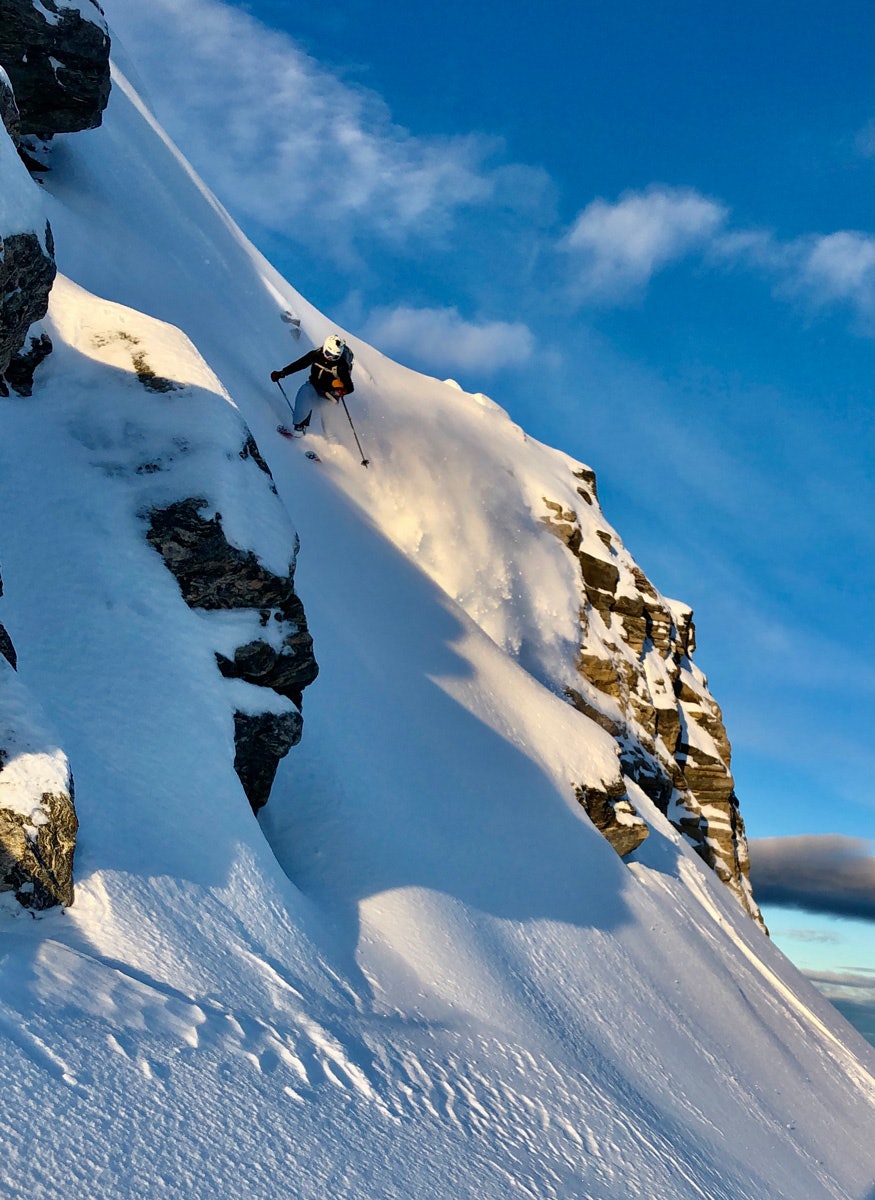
{"x": 636, "y": 679}
{"x": 56, "y": 53}
{"x": 214, "y": 575}
{"x": 9, "y": 113}
{"x": 27, "y": 253}
{"x": 38, "y": 822}
{"x": 22, "y": 365}
{"x": 614, "y": 815}
{"x": 27, "y": 272}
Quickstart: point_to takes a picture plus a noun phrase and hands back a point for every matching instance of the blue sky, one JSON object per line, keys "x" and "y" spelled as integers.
{"x": 646, "y": 231}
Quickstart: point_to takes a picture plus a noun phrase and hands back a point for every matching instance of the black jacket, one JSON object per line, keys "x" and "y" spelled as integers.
{"x": 322, "y": 371}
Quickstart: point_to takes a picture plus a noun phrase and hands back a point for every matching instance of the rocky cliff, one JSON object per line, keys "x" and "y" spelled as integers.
{"x": 637, "y": 680}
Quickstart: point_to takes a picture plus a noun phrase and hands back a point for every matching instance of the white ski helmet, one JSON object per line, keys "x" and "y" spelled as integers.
{"x": 333, "y": 346}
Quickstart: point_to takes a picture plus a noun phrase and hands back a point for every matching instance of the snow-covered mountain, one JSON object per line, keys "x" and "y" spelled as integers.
{"x": 423, "y": 969}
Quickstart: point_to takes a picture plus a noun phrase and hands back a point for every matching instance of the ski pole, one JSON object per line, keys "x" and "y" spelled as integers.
{"x": 285, "y": 397}
{"x": 354, "y": 434}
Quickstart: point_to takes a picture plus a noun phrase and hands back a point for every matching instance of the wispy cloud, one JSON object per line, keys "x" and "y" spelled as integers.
{"x": 853, "y": 994}
{"x": 858, "y": 979}
{"x": 440, "y": 339}
{"x": 824, "y": 873}
{"x": 283, "y": 140}
{"x": 819, "y": 270}
{"x": 840, "y": 267}
{"x": 616, "y": 248}
{"x": 820, "y": 937}
{"x": 864, "y": 140}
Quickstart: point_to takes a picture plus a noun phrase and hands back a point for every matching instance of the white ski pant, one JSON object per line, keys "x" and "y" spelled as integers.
{"x": 307, "y": 401}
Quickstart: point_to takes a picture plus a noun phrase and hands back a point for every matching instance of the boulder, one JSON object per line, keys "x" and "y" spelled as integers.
{"x": 56, "y": 53}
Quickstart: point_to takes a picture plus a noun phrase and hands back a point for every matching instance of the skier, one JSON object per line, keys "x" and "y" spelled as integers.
{"x": 329, "y": 381}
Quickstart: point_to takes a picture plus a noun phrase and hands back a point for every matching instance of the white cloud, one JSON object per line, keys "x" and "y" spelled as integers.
{"x": 283, "y": 140}
{"x": 841, "y": 267}
{"x": 751, "y": 249}
{"x": 441, "y": 339}
{"x": 618, "y": 247}
{"x": 818, "y": 269}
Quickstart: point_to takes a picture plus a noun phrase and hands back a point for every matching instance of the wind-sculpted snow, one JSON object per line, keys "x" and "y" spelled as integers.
{"x": 421, "y": 972}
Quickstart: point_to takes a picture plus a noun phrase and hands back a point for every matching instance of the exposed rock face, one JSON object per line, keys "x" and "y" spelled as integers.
{"x": 56, "y": 53}
{"x": 21, "y": 368}
{"x": 260, "y": 742}
{"x": 27, "y": 272}
{"x": 614, "y": 815}
{"x": 36, "y": 850}
{"x": 637, "y": 680}
{"x": 213, "y": 574}
{"x": 9, "y": 113}
{"x": 27, "y": 253}
{"x": 6, "y": 647}
{"x": 38, "y": 822}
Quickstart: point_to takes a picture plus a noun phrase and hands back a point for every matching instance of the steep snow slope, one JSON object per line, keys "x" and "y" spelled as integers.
{"x": 453, "y": 987}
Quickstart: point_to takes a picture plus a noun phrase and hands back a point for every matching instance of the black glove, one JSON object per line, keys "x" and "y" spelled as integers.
{"x": 276, "y": 376}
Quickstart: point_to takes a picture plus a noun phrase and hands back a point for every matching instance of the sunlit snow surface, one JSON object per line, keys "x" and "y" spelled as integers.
{"x": 443, "y": 983}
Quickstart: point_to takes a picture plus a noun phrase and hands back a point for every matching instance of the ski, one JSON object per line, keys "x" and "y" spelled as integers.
{"x": 293, "y": 437}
